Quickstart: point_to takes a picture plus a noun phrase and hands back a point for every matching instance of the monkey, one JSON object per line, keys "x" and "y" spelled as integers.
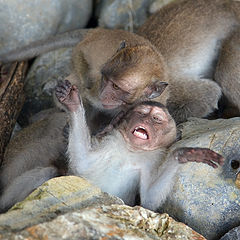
{"x": 191, "y": 35}
{"x": 227, "y": 73}
{"x": 177, "y": 47}
{"x": 100, "y": 95}
{"x": 34, "y": 155}
{"x": 29, "y": 160}
{"x": 132, "y": 159}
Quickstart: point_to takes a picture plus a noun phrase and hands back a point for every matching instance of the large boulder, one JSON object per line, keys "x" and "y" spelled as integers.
{"x": 125, "y": 14}
{"x": 22, "y": 22}
{"x": 54, "y": 197}
{"x": 205, "y": 198}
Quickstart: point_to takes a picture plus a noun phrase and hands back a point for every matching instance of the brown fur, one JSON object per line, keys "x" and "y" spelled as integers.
{"x": 228, "y": 71}
{"x": 189, "y": 32}
{"x": 139, "y": 54}
{"x": 180, "y": 45}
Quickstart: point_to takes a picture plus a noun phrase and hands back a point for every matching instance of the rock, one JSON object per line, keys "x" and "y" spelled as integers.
{"x": 205, "y": 198}
{"x": 42, "y": 79}
{"x": 158, "y": 4}
{"x": 108, "y": 222}
{"x": 56, "y": 196}
{"x": 233, "y": 234}
{"x": 125, "y": 14}
{"x": 33, "y": 20}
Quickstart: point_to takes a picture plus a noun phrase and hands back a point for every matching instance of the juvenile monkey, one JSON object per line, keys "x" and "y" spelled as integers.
{"x": 186, "y": 38}
{"x": 124, "y": 162}
{"x": 133, "y": 158}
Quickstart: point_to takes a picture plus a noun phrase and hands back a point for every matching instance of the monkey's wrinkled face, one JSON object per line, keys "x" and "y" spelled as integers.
{"x": 148, "y": 128}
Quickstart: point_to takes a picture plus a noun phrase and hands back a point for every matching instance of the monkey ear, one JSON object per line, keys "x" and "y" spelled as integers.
{"x": 122, "y": 45}
{"x": 155, "y": 90}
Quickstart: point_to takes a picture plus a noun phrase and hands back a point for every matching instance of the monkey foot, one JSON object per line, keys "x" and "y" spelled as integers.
{"x": 67, "y": 94}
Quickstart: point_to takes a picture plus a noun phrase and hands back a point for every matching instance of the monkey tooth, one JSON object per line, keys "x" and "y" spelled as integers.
{"x": 140, "y": 132}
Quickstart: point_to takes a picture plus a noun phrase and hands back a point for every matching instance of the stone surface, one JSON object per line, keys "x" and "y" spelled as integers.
{"x": 157, "y": 4}
{"x": 205, "y": 198}
{"x": 56, "y": 196}
{"x": 125, "y": 14}
{"x": 233, "y": 234}
{"x": 23, "y": 21}
{"x": 108, "y": 222}
{"x": 42, "y": 79}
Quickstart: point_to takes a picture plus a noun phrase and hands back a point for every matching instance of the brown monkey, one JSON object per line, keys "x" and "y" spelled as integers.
{"x": 190, "y": 35}
{"x": 228, "y": 73}
{"x": 138, "y": 145}
{"x": 186, "y": 38}
{"x": 132, "y": 158}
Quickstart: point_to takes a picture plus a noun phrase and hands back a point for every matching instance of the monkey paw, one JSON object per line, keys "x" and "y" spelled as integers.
{"x": 67, "y": 94}
{"x": 203, "y": 155}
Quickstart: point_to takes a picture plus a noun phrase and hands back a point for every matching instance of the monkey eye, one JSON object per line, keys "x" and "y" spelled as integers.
{"x": 235, "y": 164}
{"x": 115, "y": 86}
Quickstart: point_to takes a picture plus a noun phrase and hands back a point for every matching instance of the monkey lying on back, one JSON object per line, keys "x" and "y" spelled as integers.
{"x": 115, "y": 68}
{"x": 132, "y": 159}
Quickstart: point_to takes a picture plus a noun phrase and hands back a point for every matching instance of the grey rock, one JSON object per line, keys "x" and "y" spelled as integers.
{"x": 125, "y": 14}
{"x": 23, "y": 21}
{"x": 56, "y": 196}
{"x": 108, "y": 222}
{"x": 233, "y": 234}
{"x": 205, "y": 198}
{"x": 158, "y": 4}
{"x": 42, "y": 79}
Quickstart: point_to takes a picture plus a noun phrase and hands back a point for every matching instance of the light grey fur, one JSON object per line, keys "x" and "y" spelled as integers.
{"x": 116, "y": 169}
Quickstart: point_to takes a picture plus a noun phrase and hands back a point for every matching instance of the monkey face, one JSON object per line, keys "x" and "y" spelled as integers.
{"x": 148, "y": 128}
{"x": 112, "y": 95}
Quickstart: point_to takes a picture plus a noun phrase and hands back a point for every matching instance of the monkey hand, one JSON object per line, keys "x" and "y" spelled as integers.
{"x": 67, "y": 94}
{"x": 203, "y": 155}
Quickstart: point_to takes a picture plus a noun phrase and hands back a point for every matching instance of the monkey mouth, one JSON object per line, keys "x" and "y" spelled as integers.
{"x": 140, "y": 132}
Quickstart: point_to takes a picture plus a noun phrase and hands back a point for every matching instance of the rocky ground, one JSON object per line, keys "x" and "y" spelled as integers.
{"x": 205, "y": 199}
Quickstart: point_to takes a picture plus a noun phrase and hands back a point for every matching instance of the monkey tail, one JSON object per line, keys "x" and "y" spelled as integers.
{"x": 67, "y": 39}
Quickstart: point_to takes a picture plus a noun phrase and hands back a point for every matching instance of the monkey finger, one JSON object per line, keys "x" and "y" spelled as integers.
{"x": 210, "y": 163}
{"x": 213, "y": 156}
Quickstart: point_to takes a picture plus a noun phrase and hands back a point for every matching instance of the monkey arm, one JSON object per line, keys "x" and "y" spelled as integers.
{"x": 79, "y": 146}
{"x": 204, "y": 155}
{"x": 156, "y": 182}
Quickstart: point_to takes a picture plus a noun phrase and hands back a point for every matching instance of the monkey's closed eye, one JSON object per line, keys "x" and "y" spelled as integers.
{"x": 235, "y": 164}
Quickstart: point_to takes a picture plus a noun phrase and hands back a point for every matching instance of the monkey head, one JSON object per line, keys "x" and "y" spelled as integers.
{"x": 148, "y": 126}
{"x": 133, "y": 74}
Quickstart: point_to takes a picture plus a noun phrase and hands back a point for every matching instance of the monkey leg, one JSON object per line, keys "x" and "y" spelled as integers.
{"x": 228, "y": 70}
{"x": 23, "y": 185}
{"x": 191, "y": 97}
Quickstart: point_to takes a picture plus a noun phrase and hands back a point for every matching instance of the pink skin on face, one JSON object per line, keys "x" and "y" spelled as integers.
{"x": 145, "y": 127}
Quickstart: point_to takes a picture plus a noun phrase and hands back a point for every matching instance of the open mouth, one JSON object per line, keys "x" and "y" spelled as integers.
{"x": 140, "y": 132}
